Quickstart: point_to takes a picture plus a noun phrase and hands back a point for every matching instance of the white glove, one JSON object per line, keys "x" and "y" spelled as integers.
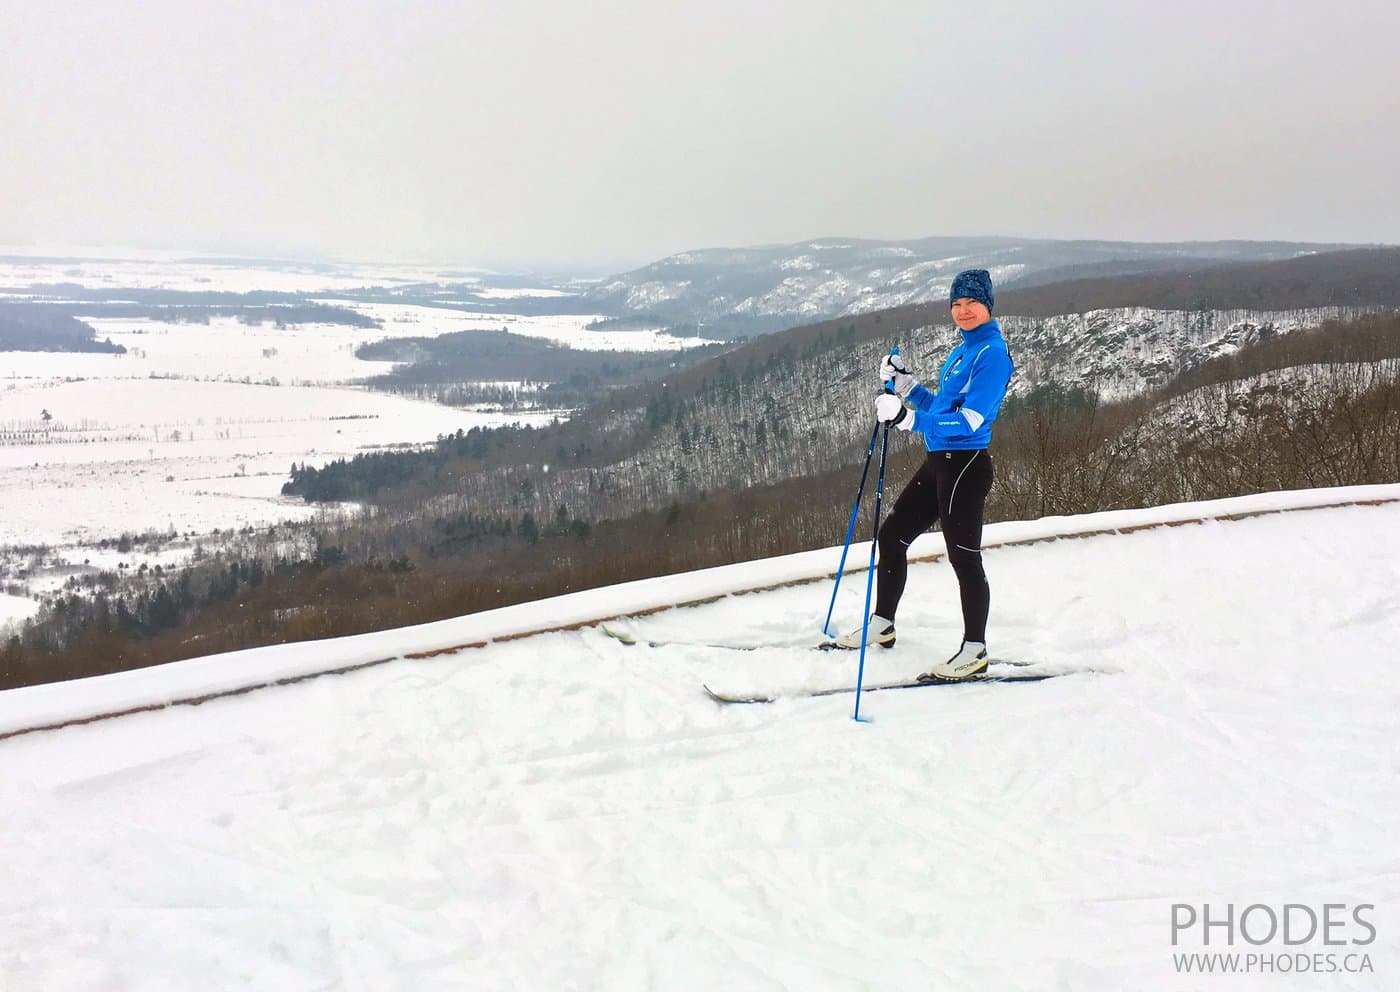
{"x": 890, "y": 411}
{"x": 893, "y": 370}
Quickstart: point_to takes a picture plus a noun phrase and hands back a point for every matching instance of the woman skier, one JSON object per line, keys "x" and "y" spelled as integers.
{"x": 951, "y": 486}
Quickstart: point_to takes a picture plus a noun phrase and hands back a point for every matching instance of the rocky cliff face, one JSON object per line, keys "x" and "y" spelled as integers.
{"x": 1123, "y": 351}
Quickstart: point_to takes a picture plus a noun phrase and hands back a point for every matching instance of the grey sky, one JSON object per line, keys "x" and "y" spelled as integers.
{"x": 614, "y": 132}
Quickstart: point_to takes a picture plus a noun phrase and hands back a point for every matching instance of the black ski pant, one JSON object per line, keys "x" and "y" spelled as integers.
{"x": 950, "y": 488}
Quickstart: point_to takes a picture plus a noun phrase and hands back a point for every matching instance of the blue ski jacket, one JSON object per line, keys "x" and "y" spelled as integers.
{"x": 971, "y": 386}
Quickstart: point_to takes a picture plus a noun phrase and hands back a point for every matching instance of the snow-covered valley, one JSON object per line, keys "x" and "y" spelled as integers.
{"x": 564, "y": 811}
{"x": 188, "y": 435}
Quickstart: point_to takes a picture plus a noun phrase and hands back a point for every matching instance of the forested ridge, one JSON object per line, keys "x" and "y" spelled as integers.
{"x": 1356, "y": 278}
{"x": 456, "y": 361}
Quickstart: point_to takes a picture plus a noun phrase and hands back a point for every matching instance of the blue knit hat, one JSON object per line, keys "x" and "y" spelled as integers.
{"x": 975, "y": 284}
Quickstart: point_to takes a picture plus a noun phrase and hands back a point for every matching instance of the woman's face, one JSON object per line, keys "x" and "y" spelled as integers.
{"x": 968, "y": 313}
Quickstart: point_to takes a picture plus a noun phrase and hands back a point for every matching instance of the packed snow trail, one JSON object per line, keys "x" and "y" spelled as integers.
{"x": 568, "y": 812}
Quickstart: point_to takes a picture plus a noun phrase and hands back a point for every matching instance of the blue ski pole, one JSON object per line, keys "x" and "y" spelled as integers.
{"x": 855, "y": 512}
{"x": 870, "y": 575}
{"x": 851, "y": 528}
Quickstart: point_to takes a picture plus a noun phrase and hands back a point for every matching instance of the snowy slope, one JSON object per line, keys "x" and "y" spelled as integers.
{"x": 561, "y": 811}
{"x": 1120, "y": 352}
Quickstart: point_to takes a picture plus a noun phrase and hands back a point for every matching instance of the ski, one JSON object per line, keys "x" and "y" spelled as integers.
{"x": 728, "y": 699}
{"x": 623, "y": 637}
{"x": 631, "y": 640}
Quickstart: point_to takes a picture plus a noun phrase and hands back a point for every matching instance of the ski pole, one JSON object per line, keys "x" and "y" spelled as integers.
{"x": 870, "y": 574}
{"x": 855, "y": 512}
{"x": 851, "y": 528}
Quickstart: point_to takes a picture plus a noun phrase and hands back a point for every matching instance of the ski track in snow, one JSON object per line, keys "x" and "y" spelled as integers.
{"x": 567, "y": 812}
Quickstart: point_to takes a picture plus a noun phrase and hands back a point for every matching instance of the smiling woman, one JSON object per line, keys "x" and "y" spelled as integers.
{"x": 952, "y": 486}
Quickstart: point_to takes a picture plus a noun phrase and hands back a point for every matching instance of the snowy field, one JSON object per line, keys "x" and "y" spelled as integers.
{"x": 130, "y": 456}
{"x": 566, "y": 812}
{"x": 194, "y": 430}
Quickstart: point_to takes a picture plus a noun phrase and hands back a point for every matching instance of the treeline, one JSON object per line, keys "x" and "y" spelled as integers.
{"x": 485, "y": 356}
{"x": 521, "y": 395}
{"x": 158, "y": 297}
{"x": 281, "y": 315}
{"x": 365, "y": 477}
{"x": 471, "y": 298}
{"x": 466, "y": 296}
{"x": 1362, "y": 277}
{"x": 43, "y": 327}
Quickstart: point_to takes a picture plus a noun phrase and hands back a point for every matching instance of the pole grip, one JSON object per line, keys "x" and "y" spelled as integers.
{"x": 889, "y": 383}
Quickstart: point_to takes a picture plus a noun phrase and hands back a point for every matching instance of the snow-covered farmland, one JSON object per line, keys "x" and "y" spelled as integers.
{"x": 196, "y": 426}
{"x": 143, "y": 454}
{"x": 224, "y": 349}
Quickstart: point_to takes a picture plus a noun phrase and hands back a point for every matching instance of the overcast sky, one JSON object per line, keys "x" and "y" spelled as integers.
{"x": 613, "y": 132}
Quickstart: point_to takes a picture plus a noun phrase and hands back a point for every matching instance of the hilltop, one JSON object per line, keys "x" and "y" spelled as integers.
{"x": 561, "y": 810}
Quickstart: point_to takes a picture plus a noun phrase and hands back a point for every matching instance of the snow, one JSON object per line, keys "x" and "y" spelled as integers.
{"x": 649, "y": 294}
{"x": 563, "y": 811}
{"x": 14, "y": 609}
{"x": 515, "y": 294}
{"x": 151, "y": 454}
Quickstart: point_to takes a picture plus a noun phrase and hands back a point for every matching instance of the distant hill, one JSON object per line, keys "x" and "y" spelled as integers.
{"x": 182, "y": 306}
{"x": 747, "y": 291}
{"x": 1358, "y": 277}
